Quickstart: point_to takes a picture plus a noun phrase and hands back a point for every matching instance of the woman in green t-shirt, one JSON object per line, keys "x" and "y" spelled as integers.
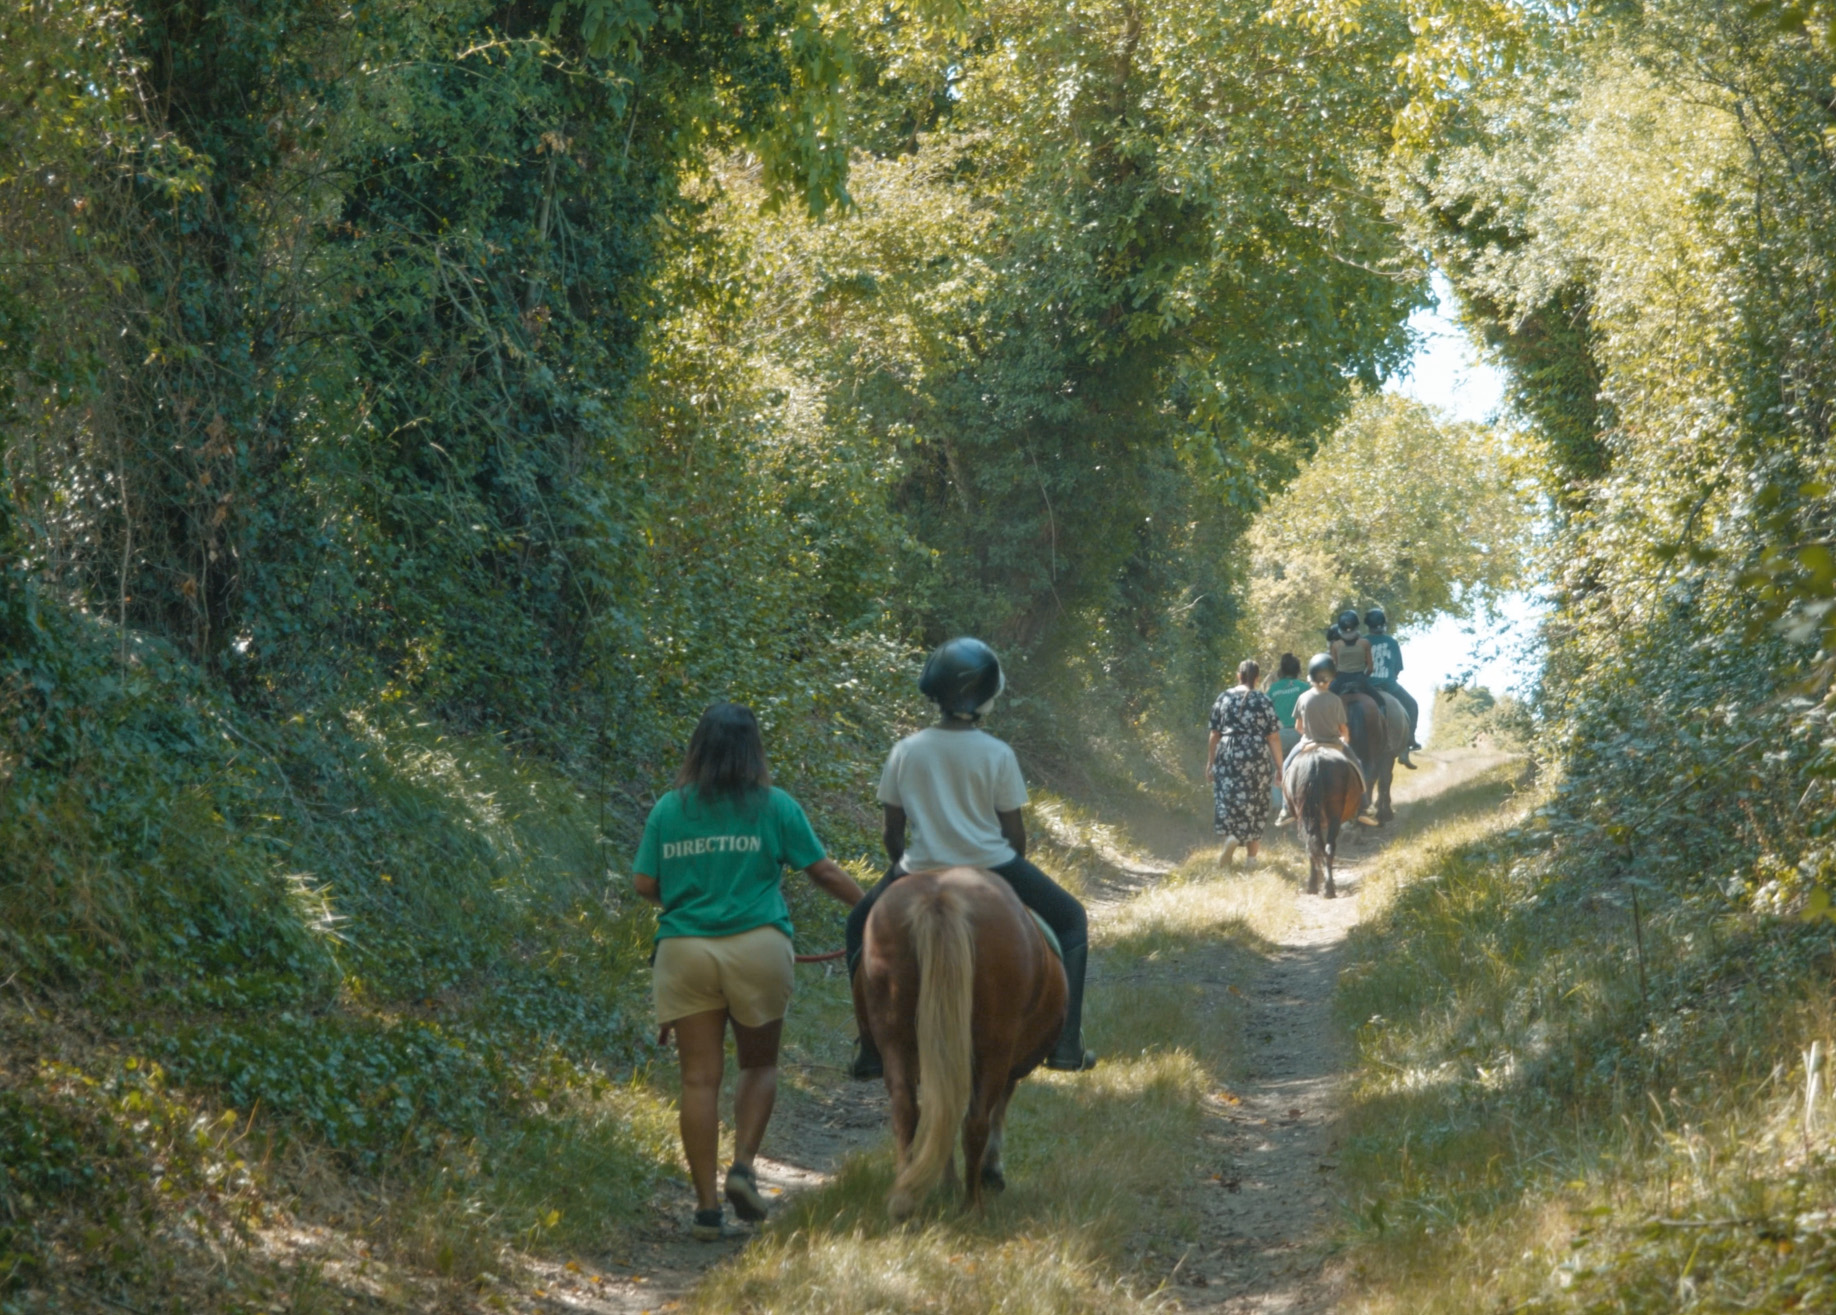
{"x": 1283, "y": 691}
{"x": 713, "y": 854}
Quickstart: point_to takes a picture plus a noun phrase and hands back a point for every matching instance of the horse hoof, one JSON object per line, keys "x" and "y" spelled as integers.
{"x": 1332, "y": 892}
{"x": 993, "y": 1180}
{"x": 900, "y": 1205}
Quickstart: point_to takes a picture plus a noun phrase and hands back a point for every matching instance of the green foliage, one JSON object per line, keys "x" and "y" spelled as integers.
{"x": 414, "y": 414}
{"x": 1638, "y": 217}
{"x": 378, "y": 282}
{"x": 1570, "y": 1092}
{"x": 341, "y": 929}
{"x": 88, "y": 1162}
{"x": 371, "y": 1089}
{"x": 1468, "y": 716}
{"x": 1051, "y": 335}
{"x": 1401, "y": 509}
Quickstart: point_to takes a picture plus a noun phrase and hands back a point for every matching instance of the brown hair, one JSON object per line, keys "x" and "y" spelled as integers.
{"x": 1248, "y": 671}
{"x": 726, "y": 755}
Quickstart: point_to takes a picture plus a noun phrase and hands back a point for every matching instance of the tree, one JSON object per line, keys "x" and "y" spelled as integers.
{"x": 1401, "y": 509}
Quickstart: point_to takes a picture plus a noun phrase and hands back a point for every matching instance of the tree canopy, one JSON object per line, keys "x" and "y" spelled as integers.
{"x": 1401, "y": 509}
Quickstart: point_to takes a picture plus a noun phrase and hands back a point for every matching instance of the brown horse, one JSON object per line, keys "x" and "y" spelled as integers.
{"x": 1379, "y": 730}
{"x": 1324, "y": 793}
{"x": 958, "y": 989}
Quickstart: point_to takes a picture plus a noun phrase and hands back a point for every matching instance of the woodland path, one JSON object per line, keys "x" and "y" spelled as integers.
{"x": 1263, "y": 1221}
{"x": 1260, "y": 1247}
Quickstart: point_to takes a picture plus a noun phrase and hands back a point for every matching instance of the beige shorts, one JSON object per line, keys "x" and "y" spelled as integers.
{"x": 749, "y": 975}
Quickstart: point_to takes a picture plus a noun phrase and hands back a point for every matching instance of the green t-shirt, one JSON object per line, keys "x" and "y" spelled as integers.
{"x": 1282, "y": 694}
{"x": 720, "y": 863}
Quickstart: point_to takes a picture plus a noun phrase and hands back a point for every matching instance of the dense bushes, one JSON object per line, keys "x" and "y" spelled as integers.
{"x": 414, "y": 414}
{"x": 273, "y": 911}
{"x": 1594, "y": 1088}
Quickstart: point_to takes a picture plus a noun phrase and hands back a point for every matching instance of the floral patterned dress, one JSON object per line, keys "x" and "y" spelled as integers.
{"x": 1244, "y": 770}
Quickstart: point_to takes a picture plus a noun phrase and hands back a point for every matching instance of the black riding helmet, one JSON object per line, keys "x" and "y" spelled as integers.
{"x": 1322, "y": 665}
{"x": 1348, "y": 623}
{"x": 962, "y": 677}
{"x": 1375, "y": 619}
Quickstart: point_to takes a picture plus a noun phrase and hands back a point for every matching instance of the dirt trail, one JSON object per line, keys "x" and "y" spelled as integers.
{"x": 1259, "y": 1249}
{"x": 1260, "y": 1227}
{"x": 813, "y": 1134}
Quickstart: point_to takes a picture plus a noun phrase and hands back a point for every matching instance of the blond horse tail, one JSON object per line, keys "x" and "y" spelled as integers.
{"x": 945, "y": 945}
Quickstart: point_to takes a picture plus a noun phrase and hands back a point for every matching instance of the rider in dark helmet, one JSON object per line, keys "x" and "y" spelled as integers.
{"x": 961, "y": 791}
{"x": 1351, "y": 656}
{"x": 1319, "y": 714}
{"x": 1386, "y": 666}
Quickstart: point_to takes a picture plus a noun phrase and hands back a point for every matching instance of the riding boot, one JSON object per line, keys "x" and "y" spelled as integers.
{"x": 867, "y": 1063}
{"x": 1069, "y": 1055}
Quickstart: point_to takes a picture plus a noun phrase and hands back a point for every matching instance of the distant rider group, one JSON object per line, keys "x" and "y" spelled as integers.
{"x": 1256, "y": 734}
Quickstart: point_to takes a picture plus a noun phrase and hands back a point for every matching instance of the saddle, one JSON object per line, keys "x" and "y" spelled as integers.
{"x": 1372, "y": 707}
{"x": 1324, "y": 747}
{"x": 1051, "y": 937}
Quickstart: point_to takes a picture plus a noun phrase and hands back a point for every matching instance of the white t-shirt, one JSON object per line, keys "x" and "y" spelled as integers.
{"x": 951, "y": 784}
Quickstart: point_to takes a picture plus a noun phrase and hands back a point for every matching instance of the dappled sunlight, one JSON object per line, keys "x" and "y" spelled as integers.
{"x": 1088, "y": 1157}
{"x": 1095, "y": 1161}
{"x": 931, "y": 1269}
{"x": 1202, "y": 904}
{"x": 1523, "y": 1123}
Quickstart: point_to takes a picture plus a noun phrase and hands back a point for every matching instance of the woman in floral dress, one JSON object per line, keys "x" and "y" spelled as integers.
{"x": 1243, "y": 762}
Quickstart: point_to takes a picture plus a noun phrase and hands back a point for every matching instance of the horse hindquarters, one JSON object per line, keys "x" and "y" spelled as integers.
{"x": 945, "y": 951}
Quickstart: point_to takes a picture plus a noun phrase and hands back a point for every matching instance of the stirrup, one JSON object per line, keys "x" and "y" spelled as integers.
{"x": 1087, "y": 1062}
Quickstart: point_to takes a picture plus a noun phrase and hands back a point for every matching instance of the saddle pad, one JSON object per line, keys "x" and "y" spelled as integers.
{"x": 1051, "y": 937}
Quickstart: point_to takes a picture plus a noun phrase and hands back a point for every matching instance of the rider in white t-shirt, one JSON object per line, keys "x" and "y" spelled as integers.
{"x": 959, "y": 791}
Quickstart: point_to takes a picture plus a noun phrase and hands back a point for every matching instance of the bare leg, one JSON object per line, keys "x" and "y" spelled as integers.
{"x": 758, "y": 1087}
{"x": 1254, "y": 848}
{"x": 701, "y": 1053}
{"x": 1224, "y": 855}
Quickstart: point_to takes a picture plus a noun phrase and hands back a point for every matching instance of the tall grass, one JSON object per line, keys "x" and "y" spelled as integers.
{"x": 1564, "y": 1102}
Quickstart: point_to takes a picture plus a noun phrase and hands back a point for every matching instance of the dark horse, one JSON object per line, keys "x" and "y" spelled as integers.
{"x": 958, "y": 989}
{"x": 1379, "y": 729}
{"x": 1323, "y": 792}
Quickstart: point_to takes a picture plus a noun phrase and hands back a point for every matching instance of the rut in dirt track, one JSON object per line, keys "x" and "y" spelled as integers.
{"x": 1259, "y": 1248}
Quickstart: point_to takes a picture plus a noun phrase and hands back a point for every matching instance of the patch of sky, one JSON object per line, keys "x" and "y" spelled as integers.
{"x": 1499, "y": 651}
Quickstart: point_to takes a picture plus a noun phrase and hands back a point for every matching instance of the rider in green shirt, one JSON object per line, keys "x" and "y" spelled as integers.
{"x": 1283, "y": 691}
{"x": 1285, "y": 688}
